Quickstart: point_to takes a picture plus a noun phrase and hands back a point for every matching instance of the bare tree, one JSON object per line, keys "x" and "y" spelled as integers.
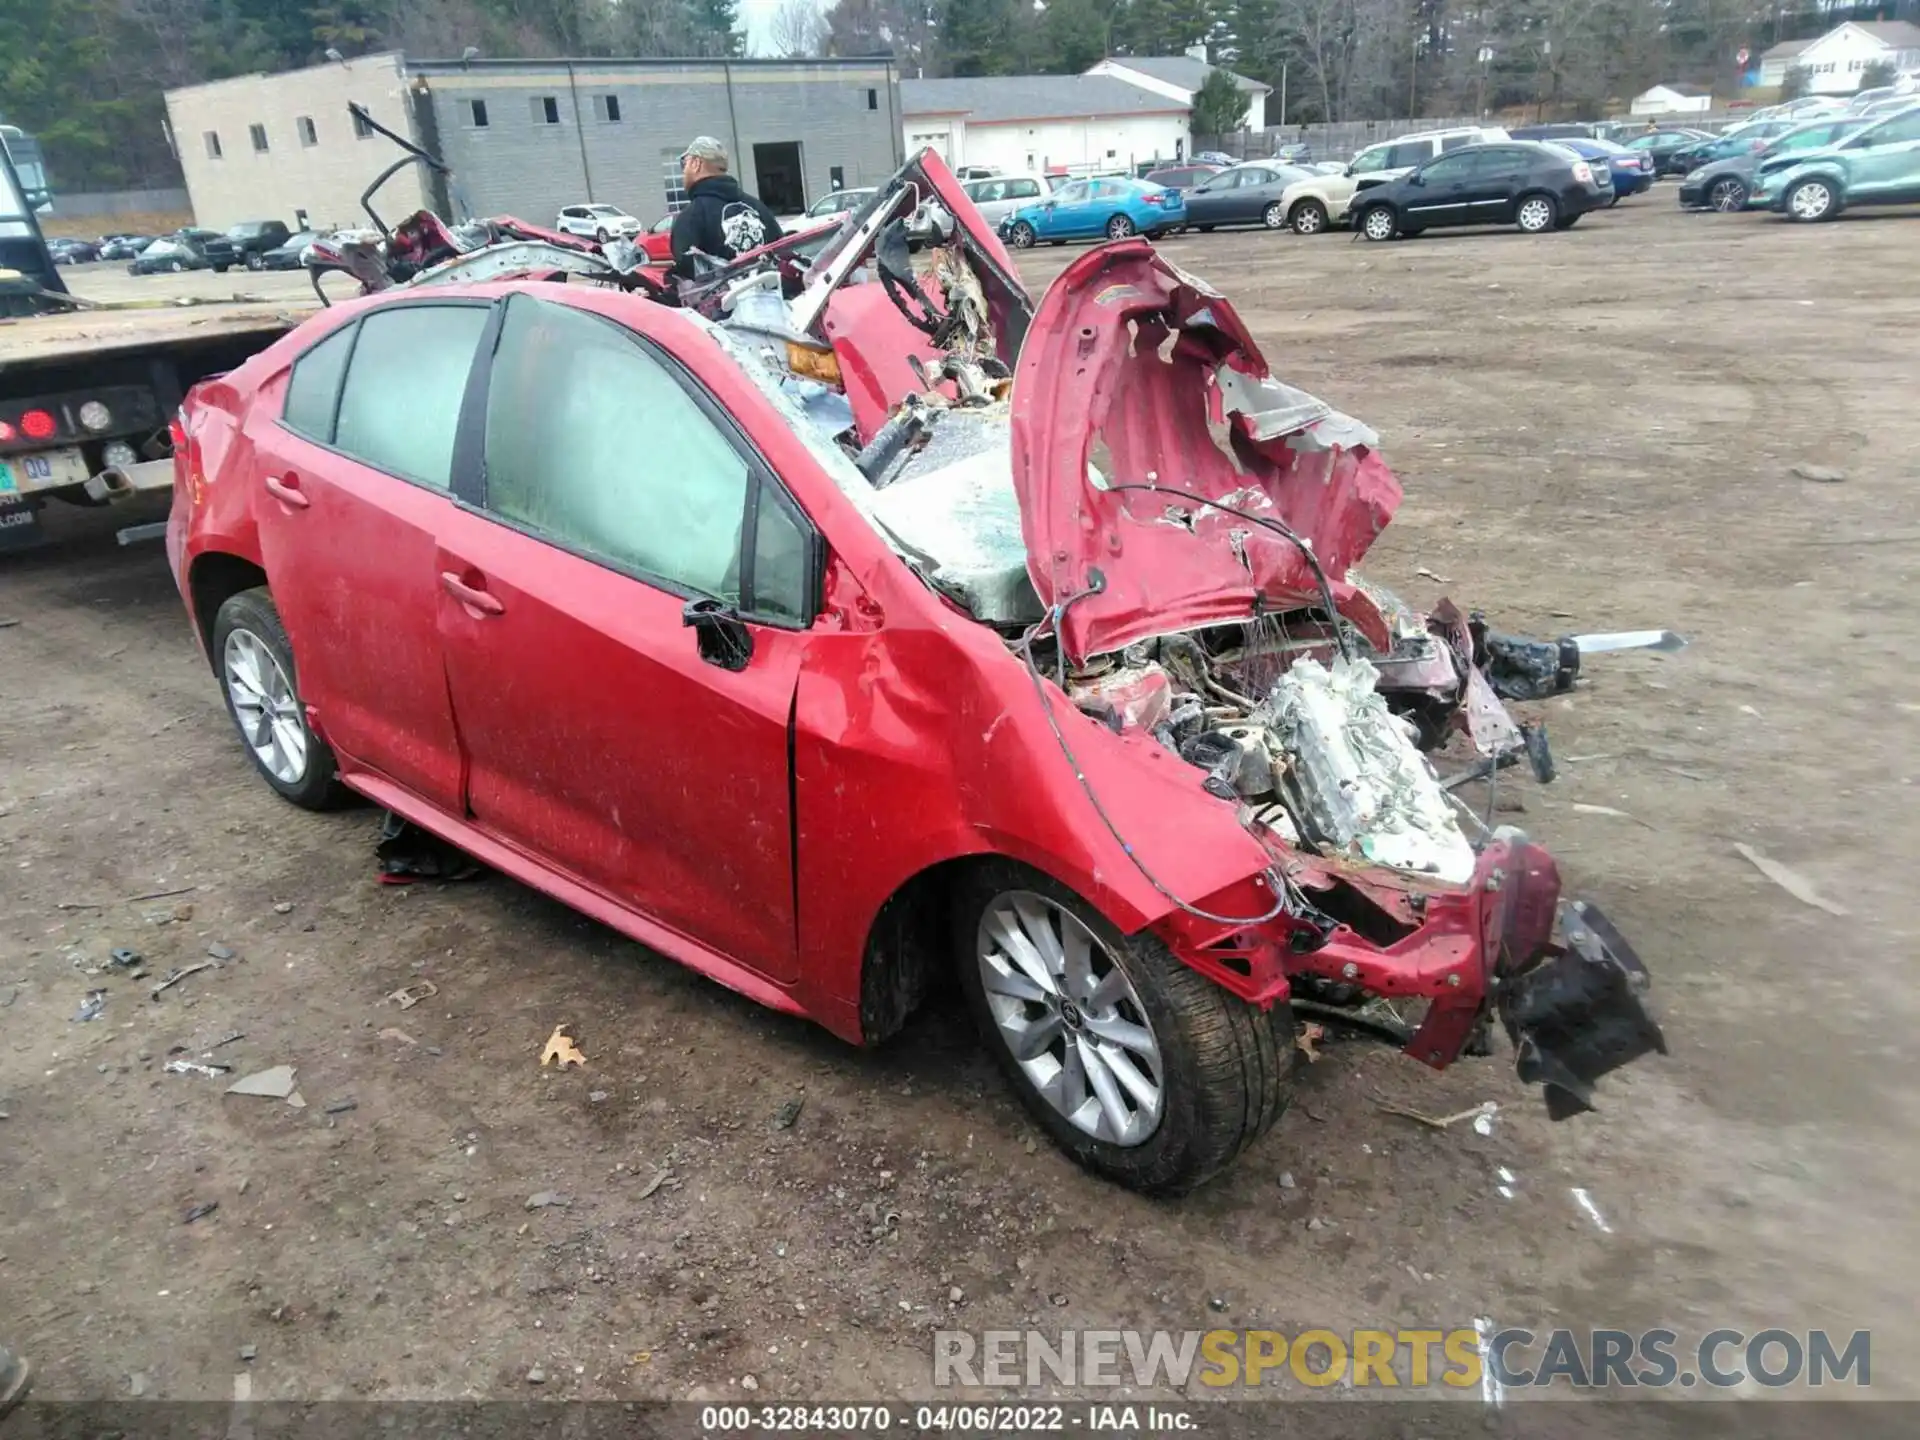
{"x": 799, "y": 28}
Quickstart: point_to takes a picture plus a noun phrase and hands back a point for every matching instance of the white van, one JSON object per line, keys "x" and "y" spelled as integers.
{"x": 1314, "y": 205}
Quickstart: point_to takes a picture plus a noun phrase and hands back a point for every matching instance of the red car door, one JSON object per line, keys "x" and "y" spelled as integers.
{"x": 355, "y": 470}
{"x": 605, "y": 736}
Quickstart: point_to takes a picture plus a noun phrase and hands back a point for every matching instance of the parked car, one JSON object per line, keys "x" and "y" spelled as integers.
{"x": 1893, "y": 105}
{"x": 219, "y": 252}
{"x": 173, "y": 253}
{"x": 829, "y": 206}
{"x": 597, "y": 222}
{"x": 1180, "y": 177}
{"x": 658, "y": 241}
{"x": 124, "y": 247}
{"x": 1216, "y": 157}
{"x": 1747, "y": 139}
{"x": 1631, "y": 171}
{"x": 248, "y": 242}
{"x": 1112, "y": 206}
{"x": 72, "y": 252}
{"x": 286, "y": 255}
{"x": 1321, "y": 201}
{"x": 1878, "y": 164}
{"x": 1567, "y": 131}
{"x": 1665, "y": 147}
{"x": 1727, "y": 185}
{"x": 995, "y": 197}
{"x": 1249, "y": 194}
{"x": 1297, "y": 152}
{"x": 1533, "y": 184}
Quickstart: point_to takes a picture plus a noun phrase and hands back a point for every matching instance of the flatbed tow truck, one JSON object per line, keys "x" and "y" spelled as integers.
{"x": 87, "y": 391}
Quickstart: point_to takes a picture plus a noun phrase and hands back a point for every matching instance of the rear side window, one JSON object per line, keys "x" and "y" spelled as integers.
{"x": 314, "y": 388}
{"x": 1409, "y": 154}
{"x": 1022, "y": 189}
{"x": 595, "y": 442}
{"x": 400, "y": 406}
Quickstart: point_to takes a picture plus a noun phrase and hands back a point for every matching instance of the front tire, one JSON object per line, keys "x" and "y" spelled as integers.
{"x": 1812, "y": 200}
{"x": 1377, "y": 223}
{"x": 1140, "y": 1069}
{"x": 1021, "y": 235}
{"x": 1728, "y": 195}
{"x": 1120, "y": 227}
{"x": 261, "y": 686}
{"x": 1309, "y": 217}
{"x": 1537, "y": 214}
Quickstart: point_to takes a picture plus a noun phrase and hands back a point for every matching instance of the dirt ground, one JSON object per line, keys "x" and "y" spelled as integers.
{"x": 1596, "y": 430}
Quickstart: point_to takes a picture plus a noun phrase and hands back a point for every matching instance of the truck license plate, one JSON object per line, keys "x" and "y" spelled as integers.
{"x": 46, "y": 471}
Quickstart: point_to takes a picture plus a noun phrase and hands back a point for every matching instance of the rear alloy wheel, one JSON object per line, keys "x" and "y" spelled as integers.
{"x": 1728, "y": 195}
{"x": 175, "y": 267}
{"x": 1021, "y": 235}
{"x": 1309, "y": 217}
{"x": 254, "y": 262}
{"x": 1274, "y": 217}
{"x": 1120, "y": 227}
{"x": 1811, "y": 200}
{"x": 1377, "y": 223}
{"x": 1139, "y": 1068}
{"x": 257, "y": 674}
{"x": 1537, "y": 213}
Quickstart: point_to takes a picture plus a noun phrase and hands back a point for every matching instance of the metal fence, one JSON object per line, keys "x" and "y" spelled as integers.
{"x": 1346, "y": 139}
{"x": 107, "y": 203}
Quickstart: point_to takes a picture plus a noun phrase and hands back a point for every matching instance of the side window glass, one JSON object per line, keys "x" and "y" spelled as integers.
{"x": 1367, "y": 161}
{"x": 593, "y": 441}
{"x": 313, "y": 391}
{"x": 1897, "y": 132}
{"x": 1454, "y": 142}
{"x": 780, "y": 570}
{"x": 1022, "y": 190}
{"x": 400, "y": 405}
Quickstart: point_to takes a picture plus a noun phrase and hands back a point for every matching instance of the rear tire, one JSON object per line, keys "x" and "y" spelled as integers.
{"x": 247, "y": 634}
{"x": 1120, "y": 227}
{"x": 1309, "y": 217}
{"x": 1537, "y": 214}
{"x": 1204, "y": 229}
{"x": 1224, "y": 1066}
{"x": 1274, "y": 217}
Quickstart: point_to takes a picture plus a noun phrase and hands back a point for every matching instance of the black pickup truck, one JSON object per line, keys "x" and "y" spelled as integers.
{"x": 246, "y": 243}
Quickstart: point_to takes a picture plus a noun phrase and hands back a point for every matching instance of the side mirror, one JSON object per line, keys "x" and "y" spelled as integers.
{"x": 720, "y": 635}
{"x": 1416, "y": 180}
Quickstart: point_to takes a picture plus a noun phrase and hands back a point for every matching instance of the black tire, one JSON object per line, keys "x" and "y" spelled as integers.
{"x": 1377, "y": 222}
{"x": 253, "y": 611}
{"x": 1802, "y": 211}
{"x": 254, "y": 262}
{"x": 1227, "y": 1066}
{"x": 221, "y": 269}
{"x": 1021, "y": 235}
{"x": 1308, "y": 217}
{"x": 1204, "y": 229}
{"x": 1120, "y": 227}
{"x": 1274, "y": 217}
{"x": 1529, "y": 211}
{"x": 1727, "y": 195}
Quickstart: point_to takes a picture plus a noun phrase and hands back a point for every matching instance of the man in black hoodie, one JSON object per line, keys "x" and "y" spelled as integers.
{"x": 721, "y": 219}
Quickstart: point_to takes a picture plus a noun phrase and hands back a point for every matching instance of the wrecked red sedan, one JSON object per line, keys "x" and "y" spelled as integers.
{"x": 853, "y": 623}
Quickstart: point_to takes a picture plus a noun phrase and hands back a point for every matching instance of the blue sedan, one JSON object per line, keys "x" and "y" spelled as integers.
{"x": 1107, "y": 205}
{"x": 1632, "y": 171}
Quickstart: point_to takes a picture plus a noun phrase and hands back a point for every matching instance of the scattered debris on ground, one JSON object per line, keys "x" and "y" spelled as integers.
{"x": 561, "y": 1048}
{"x": 1791, "y": 881}
{"x": 275, "y": 1083}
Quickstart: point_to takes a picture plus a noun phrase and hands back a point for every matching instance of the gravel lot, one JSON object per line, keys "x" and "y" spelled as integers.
{"x": 1596, "y": 430}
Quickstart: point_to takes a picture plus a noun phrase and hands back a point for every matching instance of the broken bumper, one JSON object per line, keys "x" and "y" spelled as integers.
{"x": 1573, "y": 1005}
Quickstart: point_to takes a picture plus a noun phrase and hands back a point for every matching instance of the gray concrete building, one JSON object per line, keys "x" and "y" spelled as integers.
{"x": 525, "y": 137}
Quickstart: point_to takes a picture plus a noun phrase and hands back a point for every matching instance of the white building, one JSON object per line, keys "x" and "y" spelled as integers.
{"x": 1675, "y": 99}
{"x": 1176, "y": 77}
{"x": 1043, "y": 123}
{"x": 1836, "y": 61}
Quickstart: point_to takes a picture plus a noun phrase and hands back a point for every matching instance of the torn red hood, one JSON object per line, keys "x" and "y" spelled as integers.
{"x": 1135, "y": 374}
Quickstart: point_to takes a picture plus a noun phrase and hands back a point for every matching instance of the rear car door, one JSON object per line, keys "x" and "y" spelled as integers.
{"x": 1495, "y": 184}
{"x": 1440, "y": 192}
{"x": 353, "y": 452}
{"x": 1883, "y": 163}
{"x": 604, "y": 734}
{"x": 1015, "y": 194}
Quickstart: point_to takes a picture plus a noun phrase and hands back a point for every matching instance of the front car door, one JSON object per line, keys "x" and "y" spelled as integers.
{"x": 1060, "y": 214}
{"x": 1211, "y": 201}
{"x": 357, "y": 468}
{"x": 1440, "y": 192}
{"x": 1883, "y": 164}
{"x": 606, "y": 737}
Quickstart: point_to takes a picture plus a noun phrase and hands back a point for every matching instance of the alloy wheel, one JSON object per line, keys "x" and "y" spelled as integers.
{"x": 1274, "y": 217}
{"x": 1728, "y": 196}
{"x": 266, "y": 707}
{"x": 1536, "y": 214}
{"x": 1308, "y": 218}
{"x": 1379, "y": 224}
{"x": 1022, "y": 236}
{"x": 1119, "y": 227}
{"x": 1070, "y": 1018}
{"x": 1811, "y": 200}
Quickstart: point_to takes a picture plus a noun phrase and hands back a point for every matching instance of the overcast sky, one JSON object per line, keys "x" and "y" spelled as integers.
{"x": 756, "y": 18}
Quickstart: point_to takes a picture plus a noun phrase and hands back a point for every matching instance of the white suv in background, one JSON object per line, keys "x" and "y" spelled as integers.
{"x": 1313, "y": 205}
{"x": 598, "y": 222}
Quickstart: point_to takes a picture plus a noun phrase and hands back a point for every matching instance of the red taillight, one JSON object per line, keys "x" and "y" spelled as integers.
{"x": 1151, "y": 199}
{"x": 38, "y": 425}
{"x": 6, "y": 432}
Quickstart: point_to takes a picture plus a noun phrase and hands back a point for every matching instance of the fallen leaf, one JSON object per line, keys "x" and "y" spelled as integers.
{"x": 1791, "y": 881}
{"x": 1309, "y": 1037}
{"x": 560, "y": 1047}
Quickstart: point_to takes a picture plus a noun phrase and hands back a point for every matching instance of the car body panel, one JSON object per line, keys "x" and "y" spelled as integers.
{"x": 1083, "y": 209}
{"x": 1483, "y": 185}
{"x": 1878, "y": 164}
{"x": 590, "y": 220}
{"x": 1629, "y": 172}
{"x": 1242, "y": 195}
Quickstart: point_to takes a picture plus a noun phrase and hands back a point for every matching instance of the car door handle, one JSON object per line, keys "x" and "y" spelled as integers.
{"x": 286, "y": 489}
{"x": 477, "y": 601}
